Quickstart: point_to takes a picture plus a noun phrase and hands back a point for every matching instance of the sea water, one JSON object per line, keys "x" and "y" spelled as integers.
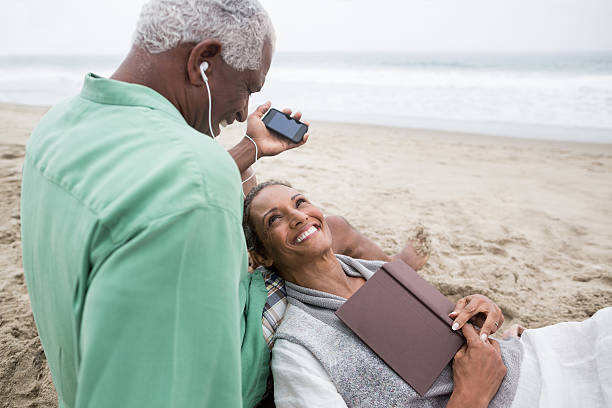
{"x": 544, "y": 96}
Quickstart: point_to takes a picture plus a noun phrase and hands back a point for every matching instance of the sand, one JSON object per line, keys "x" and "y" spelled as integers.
{"x": 25, "y": 380}
{"x": 527, "y": 223}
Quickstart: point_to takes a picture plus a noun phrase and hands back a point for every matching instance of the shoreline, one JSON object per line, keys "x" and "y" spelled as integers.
{"x": 476, "y": 137}
{"x": 464, "y": 134}
{"x": 525, "y": 222}
{"x": 514, "y": 130}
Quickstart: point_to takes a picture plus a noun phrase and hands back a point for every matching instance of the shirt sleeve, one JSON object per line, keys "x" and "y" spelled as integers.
{"x": 300, "y": 380}
{"x": 161, "y": 320}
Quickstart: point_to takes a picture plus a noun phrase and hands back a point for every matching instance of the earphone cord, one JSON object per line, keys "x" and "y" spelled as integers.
{"x": 212, "y": 134}
{"x": 210, "y": 129}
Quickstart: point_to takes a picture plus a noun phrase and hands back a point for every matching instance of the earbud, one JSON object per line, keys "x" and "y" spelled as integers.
{"x": 203, "y": 68}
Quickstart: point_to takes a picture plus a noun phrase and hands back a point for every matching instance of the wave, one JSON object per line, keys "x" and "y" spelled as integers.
{"x": 524, "y": 90}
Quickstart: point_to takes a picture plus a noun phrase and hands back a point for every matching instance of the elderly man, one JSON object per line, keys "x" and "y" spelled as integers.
{"x": 131, "y": 218}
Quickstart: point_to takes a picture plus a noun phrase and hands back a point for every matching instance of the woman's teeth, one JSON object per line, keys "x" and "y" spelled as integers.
{"x": 305, "y": 234}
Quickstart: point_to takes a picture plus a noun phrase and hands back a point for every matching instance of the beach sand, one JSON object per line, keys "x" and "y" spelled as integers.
{"x": 25, "y": 380}
{"x": 527, "y": 223}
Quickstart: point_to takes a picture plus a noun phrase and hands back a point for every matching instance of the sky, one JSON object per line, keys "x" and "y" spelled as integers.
{"x": 61, "y": 27}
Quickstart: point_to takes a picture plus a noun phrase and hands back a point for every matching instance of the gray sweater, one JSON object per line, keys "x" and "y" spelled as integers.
{"x": 360, "y": 376}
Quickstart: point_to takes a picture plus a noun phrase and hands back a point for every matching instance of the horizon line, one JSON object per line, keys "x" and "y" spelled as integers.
{"x": 351, "y": 52}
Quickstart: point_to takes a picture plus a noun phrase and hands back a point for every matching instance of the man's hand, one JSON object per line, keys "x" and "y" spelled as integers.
{"x": 478, "y": 371}
{"x": 483, "y": 312}
{"x": 269, "y": 144}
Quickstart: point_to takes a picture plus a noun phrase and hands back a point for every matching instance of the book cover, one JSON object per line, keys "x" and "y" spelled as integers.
{"x": 404, "y": 320}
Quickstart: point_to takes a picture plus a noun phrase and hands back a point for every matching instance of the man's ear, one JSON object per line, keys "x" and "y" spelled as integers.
{"x": 207, "y": 50}
{"x": 260, "y": 260}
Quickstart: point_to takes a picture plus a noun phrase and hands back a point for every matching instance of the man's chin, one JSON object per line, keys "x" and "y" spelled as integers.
{"x": 216, "y": 131}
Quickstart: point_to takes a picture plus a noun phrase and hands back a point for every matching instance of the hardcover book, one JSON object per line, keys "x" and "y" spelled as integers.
{"x": 404, "y": 320}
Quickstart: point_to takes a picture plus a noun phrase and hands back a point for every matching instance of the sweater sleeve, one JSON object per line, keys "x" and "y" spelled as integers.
{"x": 300, "y": 380}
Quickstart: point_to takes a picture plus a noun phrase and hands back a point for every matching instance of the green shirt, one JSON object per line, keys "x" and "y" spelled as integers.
{"x": 135, "y": 258}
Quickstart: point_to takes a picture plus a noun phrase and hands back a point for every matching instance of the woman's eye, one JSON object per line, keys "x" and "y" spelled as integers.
{"x": 272, "y": 219}
{"x": 299, "y": 201}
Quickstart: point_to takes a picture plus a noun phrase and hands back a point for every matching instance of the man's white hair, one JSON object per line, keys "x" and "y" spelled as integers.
{"x": 241, "y": 26}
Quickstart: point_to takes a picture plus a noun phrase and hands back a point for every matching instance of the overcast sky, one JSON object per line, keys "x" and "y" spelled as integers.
{"x": 105, "y": 27}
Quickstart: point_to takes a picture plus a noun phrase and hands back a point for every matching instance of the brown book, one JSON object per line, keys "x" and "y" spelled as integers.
{"x": 404, "y": 320}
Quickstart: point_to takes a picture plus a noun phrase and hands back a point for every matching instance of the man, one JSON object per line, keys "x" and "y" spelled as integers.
{"x": 131, "y": 218}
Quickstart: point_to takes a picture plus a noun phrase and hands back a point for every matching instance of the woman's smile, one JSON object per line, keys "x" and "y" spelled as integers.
{"x": 306, "y": 233}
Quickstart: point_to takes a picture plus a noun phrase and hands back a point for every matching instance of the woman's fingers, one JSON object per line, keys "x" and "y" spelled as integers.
{"x": 461, "y": 352}
{"x": 478, "y": 369}
{"x": 493, "y": 321}
{"x": 496, "y": 346}
{"x": 458, "y": 307}
{"x": 470, "y": 306}
{"x": 469, "y": 332}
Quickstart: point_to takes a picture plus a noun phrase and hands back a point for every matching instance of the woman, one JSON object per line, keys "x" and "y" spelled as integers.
{"x": 317, "y": 361}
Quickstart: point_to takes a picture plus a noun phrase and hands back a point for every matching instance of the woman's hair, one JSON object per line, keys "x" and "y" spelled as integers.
{"x": 253, "y": 241}
{"x": 242, "y": 27}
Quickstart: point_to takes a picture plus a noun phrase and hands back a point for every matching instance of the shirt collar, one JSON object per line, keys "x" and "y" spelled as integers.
{"x": 112, "y": 92}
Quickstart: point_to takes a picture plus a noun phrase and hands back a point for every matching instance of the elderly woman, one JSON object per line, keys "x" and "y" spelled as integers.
{"x": 317, "y": 361}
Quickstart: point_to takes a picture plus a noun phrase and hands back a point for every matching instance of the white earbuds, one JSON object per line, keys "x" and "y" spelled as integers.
{"x": 203, "y": 68}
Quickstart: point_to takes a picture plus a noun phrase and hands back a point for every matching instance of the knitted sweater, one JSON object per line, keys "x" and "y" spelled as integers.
{"x": 360, "y": 376}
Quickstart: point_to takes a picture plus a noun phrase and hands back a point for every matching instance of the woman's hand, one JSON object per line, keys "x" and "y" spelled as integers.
{"x": 269, "y": 144}
{"x": 481, "y": 310}
{"x": 478, "y": 371}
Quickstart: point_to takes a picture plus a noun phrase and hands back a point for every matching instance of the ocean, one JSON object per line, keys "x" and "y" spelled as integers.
{"x": 542, "y": 96}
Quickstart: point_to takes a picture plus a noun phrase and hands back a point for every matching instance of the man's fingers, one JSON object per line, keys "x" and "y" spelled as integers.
{"x": 262, "y": 109}
{"x": 304, "y": 140}
{"x": 297, "y": 115}
{"x": 290, "y": 145}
